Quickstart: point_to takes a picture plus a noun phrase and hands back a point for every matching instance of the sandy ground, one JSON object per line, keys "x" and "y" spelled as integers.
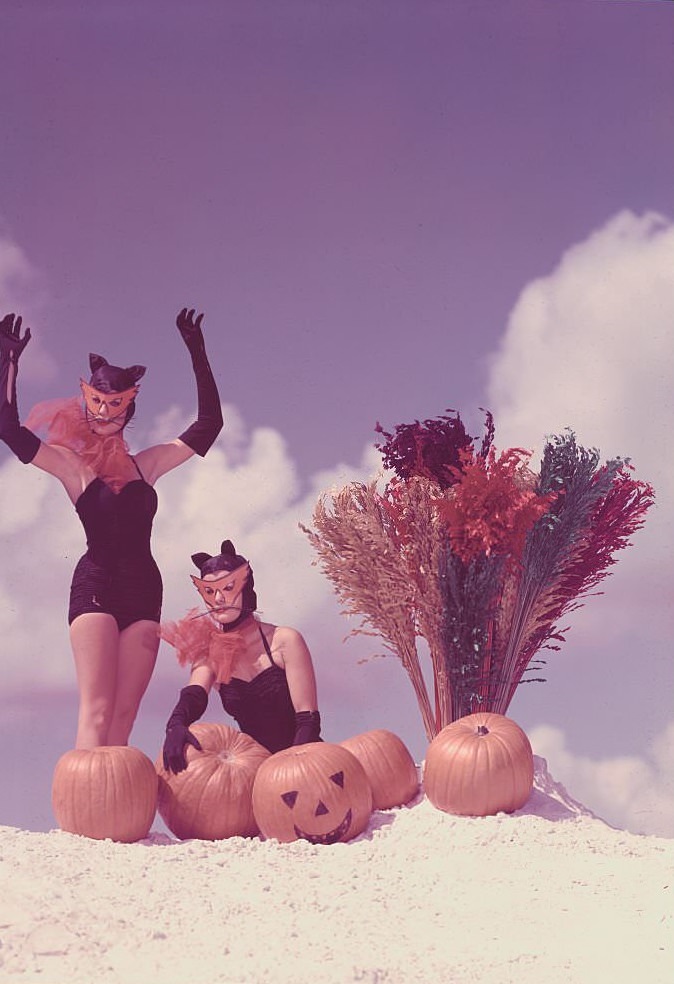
{"x": 550, "y": 894}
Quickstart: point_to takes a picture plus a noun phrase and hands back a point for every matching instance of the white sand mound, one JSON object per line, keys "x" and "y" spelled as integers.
{"x": 549, "y": 894}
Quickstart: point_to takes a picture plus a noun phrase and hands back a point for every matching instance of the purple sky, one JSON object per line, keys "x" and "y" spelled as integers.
{"x": 356, "y": 194}
{"x": 343, "y": 188}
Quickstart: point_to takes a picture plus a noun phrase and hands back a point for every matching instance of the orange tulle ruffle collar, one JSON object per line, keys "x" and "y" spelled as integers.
{"x": 198, "y": 641}
{"x": 65, "y": 424}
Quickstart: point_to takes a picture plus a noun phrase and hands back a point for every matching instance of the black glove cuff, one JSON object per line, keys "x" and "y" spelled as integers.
{"x": 192, "y": 704}
{"x": 21, "y": 441}
{"x": 307, "y": 727}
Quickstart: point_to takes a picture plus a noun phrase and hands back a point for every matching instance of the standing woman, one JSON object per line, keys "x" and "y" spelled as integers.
{"x": 116, "y": 590}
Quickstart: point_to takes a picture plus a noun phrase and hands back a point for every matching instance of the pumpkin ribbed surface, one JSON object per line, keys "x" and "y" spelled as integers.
{"x": 479, "y": 765}
{"x": 105, "y": 792}
{"x": 211, "y": 799}
{"x": 388, "y": 765}
{"x": 317, "y": 792}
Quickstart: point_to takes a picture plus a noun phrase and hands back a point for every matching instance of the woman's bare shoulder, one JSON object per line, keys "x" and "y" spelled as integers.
{"x": 288, "y": 641}
{"x": 279, "y": 632}
{"x": 286, "y": 633}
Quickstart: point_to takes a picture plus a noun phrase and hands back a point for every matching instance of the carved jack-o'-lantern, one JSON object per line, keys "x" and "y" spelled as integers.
{"x": 317, "y": 792}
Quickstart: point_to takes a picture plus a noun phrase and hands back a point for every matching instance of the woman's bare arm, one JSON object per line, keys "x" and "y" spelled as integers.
{"x": 299, "y": 668}
{"x": 161, "y": 458}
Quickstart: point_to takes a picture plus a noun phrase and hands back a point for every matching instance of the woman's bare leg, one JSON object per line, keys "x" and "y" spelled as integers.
{"x": 138, "y": 645}
{"x": 94, "y": 638}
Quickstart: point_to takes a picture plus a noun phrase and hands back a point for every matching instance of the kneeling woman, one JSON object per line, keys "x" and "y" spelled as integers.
{"x": 263, "y": 672}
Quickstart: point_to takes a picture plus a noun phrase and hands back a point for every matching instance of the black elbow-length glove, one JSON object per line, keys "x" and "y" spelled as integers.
{"x": 21, "y": 441}
{"x": 192, "y": 704}
{"x": 202, "y": 433}
{"x": 307, "y": 727}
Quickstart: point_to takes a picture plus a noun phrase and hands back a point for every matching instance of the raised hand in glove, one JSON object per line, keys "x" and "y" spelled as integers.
{"x": 22, "y": 442}
{"x": 11, "y": 342}
{"x": 202, "y": 433}
{"x": 190, "y": 328}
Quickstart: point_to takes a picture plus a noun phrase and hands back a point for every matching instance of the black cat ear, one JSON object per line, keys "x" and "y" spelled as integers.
{"x": 96, "y": 361}
{"x": 227, "y": 548}
{"x": 199, "y": 559}
{"x": 136, "y": 372}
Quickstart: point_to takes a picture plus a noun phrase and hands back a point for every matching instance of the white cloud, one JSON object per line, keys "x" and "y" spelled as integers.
{"x": 591, "y": 347}
{"x": 22, "y": 292}
{"x": 631, "y": 792}
{"x": 246, "y": 489}
{"x": 608, "y": 299}
{"x": 21, "y": 502}
{"x": 15, "y": 271}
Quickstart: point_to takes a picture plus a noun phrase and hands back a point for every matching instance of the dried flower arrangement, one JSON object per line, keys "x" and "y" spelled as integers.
{"x": 476, "y": 553}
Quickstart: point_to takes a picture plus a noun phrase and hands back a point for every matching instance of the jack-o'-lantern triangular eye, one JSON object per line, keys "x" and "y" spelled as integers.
{"x": 289, "y": 798}
{"x": 338, "y": 779}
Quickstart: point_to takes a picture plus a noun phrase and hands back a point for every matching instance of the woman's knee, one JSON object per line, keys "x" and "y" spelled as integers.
{"x": 97, "y": 712}
{"x": 93, "y": 723}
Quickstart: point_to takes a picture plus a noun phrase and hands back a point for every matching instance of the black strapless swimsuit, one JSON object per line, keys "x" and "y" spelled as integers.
{"x": 262, "y": 707}
{"x": 118, "y": 574}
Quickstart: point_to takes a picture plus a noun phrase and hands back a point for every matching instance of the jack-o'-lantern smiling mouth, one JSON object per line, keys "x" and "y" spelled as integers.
{"x": 331, "y": 837}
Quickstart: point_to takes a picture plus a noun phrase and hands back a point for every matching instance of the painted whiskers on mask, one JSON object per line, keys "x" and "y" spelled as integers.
{"x": 110, "y": 393}
{"x": 115, "y": 404}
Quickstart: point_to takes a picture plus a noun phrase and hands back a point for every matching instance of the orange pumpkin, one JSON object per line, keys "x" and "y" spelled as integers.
{"x": 388, "y": 765}
{"x": 105, "y": 792}
{"x": 317, "y": 792}
{"x": 211, "y": 798}
{"x": 479, "y": 765}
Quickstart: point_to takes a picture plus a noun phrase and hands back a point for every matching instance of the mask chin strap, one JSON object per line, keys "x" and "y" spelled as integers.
{"x": 230, "y": 626}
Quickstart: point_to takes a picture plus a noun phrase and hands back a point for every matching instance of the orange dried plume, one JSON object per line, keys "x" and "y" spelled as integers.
{"x": 493, "y": 504}
{"x": 200, "y": 643}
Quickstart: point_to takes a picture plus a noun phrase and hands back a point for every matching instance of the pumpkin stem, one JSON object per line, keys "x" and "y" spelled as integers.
{"x": 482, "y": 729}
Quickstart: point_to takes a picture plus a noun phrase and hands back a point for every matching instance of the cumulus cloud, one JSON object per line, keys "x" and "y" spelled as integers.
{"x": 16, "y": 272}
{"x": 246, "y": 489}
{"x": 631, "y": 792}
{"x": 22, "y": 292}
{"x": 591, "y": 347}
